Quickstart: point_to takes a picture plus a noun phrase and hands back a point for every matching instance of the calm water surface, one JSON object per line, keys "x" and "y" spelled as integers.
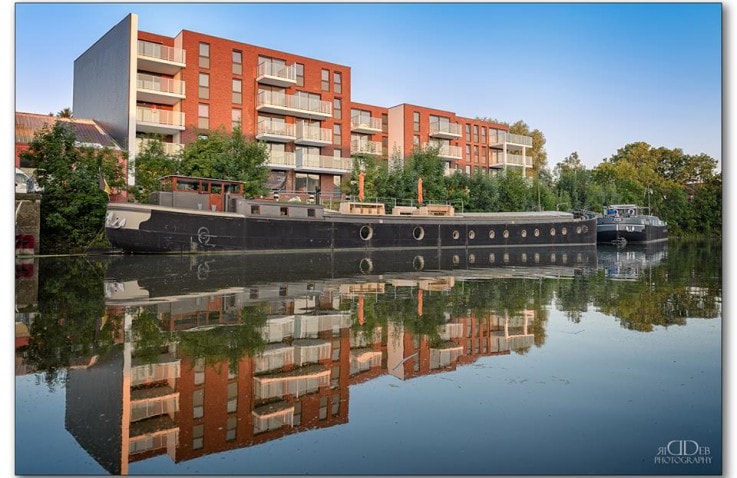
{"x": 519, "y": 361}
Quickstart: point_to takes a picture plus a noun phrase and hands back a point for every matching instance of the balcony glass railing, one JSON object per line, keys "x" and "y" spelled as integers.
{"x": 366, "y": 122}
{"x": 282, "y": 158}
{"x": 160, "y": 52}
{"x": 161, "y": 117}
{"x": 278, "y": 70}
{"x": 307, "y": 160}
{"x": 275, "y": 129}
{"x": 169, "y": 148}
{"x": 294, "y": 102}
{"x": 314, "y": 133}
{"x": 365, "y": 147}
{"x": 451, "y": 129}
{"x": 159, "y": 84}
{"x": 519, "y": 139}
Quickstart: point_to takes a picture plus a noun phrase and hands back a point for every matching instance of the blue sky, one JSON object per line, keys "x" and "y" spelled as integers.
{"x": 592, "y": 77}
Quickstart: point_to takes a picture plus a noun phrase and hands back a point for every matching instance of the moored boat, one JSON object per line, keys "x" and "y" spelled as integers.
{"x": 627, "y": 223}
{"x": 208, "y": 215}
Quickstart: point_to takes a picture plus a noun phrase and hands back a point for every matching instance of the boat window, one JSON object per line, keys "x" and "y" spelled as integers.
{"x": 216, "y": 188}
{"x": 310, "y": 212}
{"x": 187, "y": 185}
{"x": 255, "y": 210}
{"x": 205, "y": 187}
{"x": 284, "y": 211}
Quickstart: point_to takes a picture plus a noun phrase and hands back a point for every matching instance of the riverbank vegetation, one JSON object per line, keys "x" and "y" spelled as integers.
{"x": 684, "y": 190}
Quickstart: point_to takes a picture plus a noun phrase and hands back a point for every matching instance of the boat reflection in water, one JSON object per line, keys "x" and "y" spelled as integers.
{"x": 631, "y": 262}
{"x": 225, "y": 352}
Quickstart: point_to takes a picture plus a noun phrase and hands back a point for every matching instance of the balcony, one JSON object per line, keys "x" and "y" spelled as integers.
{"x": 156, "y": 89}
{"x": 151, "y": 402}
{"x": 170, "y": 149}
{"x": 445, "y": 130}
{"x": 297, "y": 382}
{"x": 293, "y": 105}
{"x": 311, "y": 351}
{"x": 148, "y": 373}
{"x": 158, "y": 58}
{"x": 511, "y": 160}
{"x": 445, "y": 151}
{"x": 152, "y": 120}
{"x": 322, "y": 164}
{"x": 366, "y": 147}
{"x": 501, "y": 139}
{"x": 282, "y": 160}
{"x": 366, "y": 125}
{"x": 276, "y": 74}
{"x": 273, "y": 131}
{"x": 313, "y": 135}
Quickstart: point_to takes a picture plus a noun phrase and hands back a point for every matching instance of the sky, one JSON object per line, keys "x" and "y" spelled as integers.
{"x": 592, "y": 77}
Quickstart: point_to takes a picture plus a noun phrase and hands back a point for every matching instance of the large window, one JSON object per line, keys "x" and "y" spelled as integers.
{"x": 204, "y": 55}
{"x": 416, "y": 121}
{"x": 337, "y": 108}
{"x": 325, "y": 80}
{"x": 306, "y": 182}
{"x": 300, "y": 74}
{"x": 204, "y": 84}
{"x": 236, "y": 116}
{"x": 338, "y": 79}
{"x": 336, "y": 135}
{"x": 237, "y": 62}
{"x": 203, "y": 116}
{"x": 237, "y": 91}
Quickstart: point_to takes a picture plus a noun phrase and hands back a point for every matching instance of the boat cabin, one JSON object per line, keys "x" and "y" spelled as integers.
{"x": 623, "y": 210}
{"x": 197, "y": 193}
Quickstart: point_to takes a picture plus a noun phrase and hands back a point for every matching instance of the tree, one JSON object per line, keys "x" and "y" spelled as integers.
{"x": 151, "y": 164}
{"x": 222, "y": 156}
{"x": 73, "y": 206}
{"x": 65, "y": 113}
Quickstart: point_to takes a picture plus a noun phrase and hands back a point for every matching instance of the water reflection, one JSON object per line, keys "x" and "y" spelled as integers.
{"x": 188, "y": 356}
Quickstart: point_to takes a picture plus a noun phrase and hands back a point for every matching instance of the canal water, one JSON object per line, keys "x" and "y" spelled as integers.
{"x": 481, "y": 361}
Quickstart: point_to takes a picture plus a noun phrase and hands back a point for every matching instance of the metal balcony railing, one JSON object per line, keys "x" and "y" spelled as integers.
{"x": 159, "y": 84}
{"x": 160, "y": 52}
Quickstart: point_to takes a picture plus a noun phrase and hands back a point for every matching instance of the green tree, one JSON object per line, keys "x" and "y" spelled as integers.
{"x": 222, "y": 156}
{"x": 151, "y": 164}
{"x": 73, "y": 206}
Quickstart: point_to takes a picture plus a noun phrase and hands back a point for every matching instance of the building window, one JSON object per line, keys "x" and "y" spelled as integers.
{"x": 475, "y": 154}
{"x": 337, "y": 108}
{"x": 384, "y": 146}
{"x": 236, "y": 116}
{"x": 336, "y": 134}
{"x": 203, "y": 116}
{"x": 468, "y": 152}
{"x": 338, "y": 79}
{"x": 204, "y": 55}
{"x": 325, "y": 80}
{"x": 198, "y": 403}
{"x": 416, "y": 122}
{"x": 204, "y": 83}
{"x": 237, "y": 62}
{"x": 483, "y": 135}
{"x": 232, "y": 405}
{"x": 232, "y": 424}
{"x": 237, "y": 91}
{"x": 475, "y": 133}
{"x": 468, "y": 132}
{"x": 300, "y": 74}
{"x": 416, "y": 140}
{"x": 384, "y": 123}
{"x": 198, "y": 435}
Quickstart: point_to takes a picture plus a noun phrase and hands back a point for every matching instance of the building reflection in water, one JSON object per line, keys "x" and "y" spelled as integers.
{"x": 303, "y": 343}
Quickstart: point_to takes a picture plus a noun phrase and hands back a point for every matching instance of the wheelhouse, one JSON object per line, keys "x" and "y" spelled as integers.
{"x": 198, "y": 193}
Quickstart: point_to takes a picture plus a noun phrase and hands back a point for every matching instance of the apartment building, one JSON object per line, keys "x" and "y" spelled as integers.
{"x": 137, "y": 83}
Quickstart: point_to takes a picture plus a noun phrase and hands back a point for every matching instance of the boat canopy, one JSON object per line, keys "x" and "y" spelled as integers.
{"x": 193, "y": 184}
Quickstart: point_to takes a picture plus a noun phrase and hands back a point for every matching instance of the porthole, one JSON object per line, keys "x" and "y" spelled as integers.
{"x": 366, "y": 232}
{"x": 524, "y": 233}
{"x": 418, "y": 263}
{"x": 492, "y": 258}
{"x": 552, "y": 231}
{"x": 456, "y": 259}
{"x": 564, "y": 258}
{"x": 418, "y": 233}
{"x": 505, "y": 234}
{"x": 537, "y": 257}
{"x": 552, "y": 258}
{"x": 456, "y": 234}
{"x": 578, "y": 229}
{"x": 492, "y": 234}
{"x": 585, "y": 229}
{"x": 472, "y": 234}
{"x": 506, "y": 258}
{"x": 536, "y": 232}
{"x": 366, "y": 265}
{"x": 524, "y": 257}
{"x": 471, "y": 259}
{"x": 564, "y": 230}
